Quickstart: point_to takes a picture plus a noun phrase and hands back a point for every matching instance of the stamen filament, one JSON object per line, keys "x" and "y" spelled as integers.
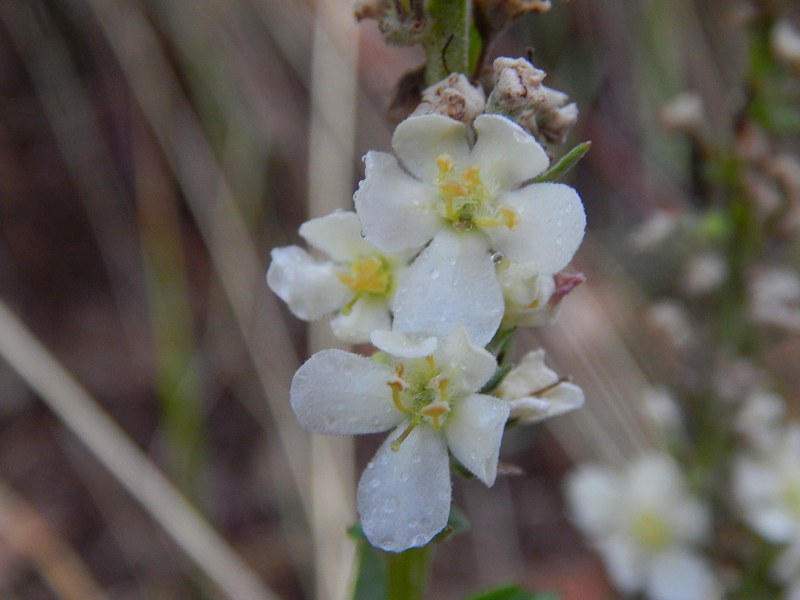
{"x": 402, "y": 437}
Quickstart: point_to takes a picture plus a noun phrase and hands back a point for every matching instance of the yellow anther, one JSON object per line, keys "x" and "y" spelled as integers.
{"x": 435, "y": 411}
{"x": 509, "y": 217}
{"x": 369, "y": 275}
{"x": 472, "y": 175}
{"x": 445, "y": 163}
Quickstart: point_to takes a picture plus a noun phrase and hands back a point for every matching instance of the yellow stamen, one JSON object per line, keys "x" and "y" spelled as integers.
{"x": 402, "y": 437}
{"x": 651, "y": 530}
{"x": 369, "y": 275}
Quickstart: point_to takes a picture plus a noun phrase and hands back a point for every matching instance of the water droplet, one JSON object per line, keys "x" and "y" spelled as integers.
{"x": 452, "y": 262}
{"x": 370, "y": 465}
{"x": 416, "y": 459}
{"x": 522, "y": 137}
{"x": 435, "y": 274}
{"x": 473, "y": 455}
{"x": 415, "y": 202}
{"x": 363, "y": 234}
{"x": 559, "y": 240}
{"x": 419, "y": 540}
{"x": 376, "y": 421}
{"x": 404, "y": 476}
{"x": 497, "y": 258}
{"x": 390, "y": 505}
{"x": 375, "y": 483}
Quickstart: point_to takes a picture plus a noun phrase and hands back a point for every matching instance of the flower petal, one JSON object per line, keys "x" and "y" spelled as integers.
{"x": 550, "y": 227}
{"x": 680, "y": 575}
{"x": 309, "y": 287}
{"x": 594, "y": 495}
{"x": 338, "y": 235}
{"x": 506, "y": 154}
{"x": 465, "y": 364}
{"x": 452, "y": 281}
{"x": 365, "y": 316}
{"x": 624, "y": 562}
{"x": 418, "y": 141}
{"x": 404, "y": 496}
{"x": 403, "y": 346}
{"x": 474, "y": 430}
{"x": 395, "y": 209}
{"x": 337, "y": 392}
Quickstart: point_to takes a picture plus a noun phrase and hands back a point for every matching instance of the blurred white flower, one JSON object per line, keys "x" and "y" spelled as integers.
{"x": 646, "y": 527}
{"x": 785, "y": 41}
{"x": 358, "y": 282}
{"x": 684, "y": 113}
{"x": 775, "y": 298}
{"x": 655, "y": 230}
{"x": 474, "y": 203}
{"x": 704, "y": 273}
{"x": 760, "y": 418}
{"x": 767, "y": 486}
{"x": 670, "y": 319}
{"x": 661, "y": 409}
{"x": 535, "y": 392}
{"x": 427, "y": 390}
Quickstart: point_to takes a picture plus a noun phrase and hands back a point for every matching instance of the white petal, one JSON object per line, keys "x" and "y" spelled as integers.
{"x": 418, "y": 141}
{"x": 452, "y": 281}
{"x": 474, "y": 430}
{"x": 467, "y": 366}
{"x": 562, "y": 399}
{"x": 309, "y": 287}
{"x": 529, "y": 375}
{"x": 680, "y": 575}
{"x": 337, "y": 392}
{"x": 550, "y": 227}
{"x": 338, "y": 235}
{"x": 624, "y": 562}
{"x": 404, "y": 496}
{"x": 506, "y": 155}
{"x": 366, "y": 315}
{"x": 403, "y": 346}
{"x": 395, "y": 209}
{"x": 594, "y": 496}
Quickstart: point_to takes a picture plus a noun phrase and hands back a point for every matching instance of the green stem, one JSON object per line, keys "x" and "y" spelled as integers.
{"x": 408, "y": 574}
{"x": 447, "y": 43}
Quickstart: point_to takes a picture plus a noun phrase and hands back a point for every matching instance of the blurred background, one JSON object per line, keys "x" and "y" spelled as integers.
{"x": 152, "y": 152}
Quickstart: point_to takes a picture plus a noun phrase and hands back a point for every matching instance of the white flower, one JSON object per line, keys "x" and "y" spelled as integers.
{"x": 535, "y": 392}
{"x": 359, "y": 281}
{"x": 646, "y": 526}
{"x": 527, "y": 295}
{"x": 427, "y": 390}
{"x": 775, "y": 298}
{"x": 470, "y": 200}
{"x": 767, "y": 487}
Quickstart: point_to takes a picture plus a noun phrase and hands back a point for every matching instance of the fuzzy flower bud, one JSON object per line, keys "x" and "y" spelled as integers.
{"x": 453, "y": 97}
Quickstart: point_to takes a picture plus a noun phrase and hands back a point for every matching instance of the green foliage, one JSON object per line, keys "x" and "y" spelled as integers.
{"x": 513, "y": 592}
{"x": 565, "y": 163}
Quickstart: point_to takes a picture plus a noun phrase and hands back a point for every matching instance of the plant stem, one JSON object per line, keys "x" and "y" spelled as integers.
{"x": 447, "y": 43}
{"x": 408, "y": 574}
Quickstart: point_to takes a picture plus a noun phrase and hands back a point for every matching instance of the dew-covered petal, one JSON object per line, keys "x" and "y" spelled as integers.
{"x": 338, "y": 235}
{"x": 404, "y": 496}
{"x": 549, "y": 230}
{"x": 474, "y": 430}
{"x": 467, "y": 366}
{"x": 506, "y": 154}
{"x": 309, "y": 287}
{"x": 418, "y": 141}
{"x": 452, "y": 281}
{"x": 563, "y": 398}
{"x": 394, "y": 208}
{"x": 680, "y": 575}
{"x": 365, "y": 316}
{"x": 402, "y": 345}
{"x": 337, "y": 392}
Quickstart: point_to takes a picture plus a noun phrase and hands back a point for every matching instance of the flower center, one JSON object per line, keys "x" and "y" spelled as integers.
{"x": 371, "y": 275}
{"x": 466, "y": 202}
{"x": 650, "y": 530}
{"x": 420, "y": 391}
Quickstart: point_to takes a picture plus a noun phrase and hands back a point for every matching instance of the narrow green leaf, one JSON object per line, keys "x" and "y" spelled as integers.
{"x": 497, "y": 378}
{"x": 565, "y": 163}
{"x": 512, "y": 592}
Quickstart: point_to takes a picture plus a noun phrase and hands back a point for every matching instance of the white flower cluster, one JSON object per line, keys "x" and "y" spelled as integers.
{"x": 451, "y": 238}
{"x": 767, "y": 484}
{"x": 646, "y": 526}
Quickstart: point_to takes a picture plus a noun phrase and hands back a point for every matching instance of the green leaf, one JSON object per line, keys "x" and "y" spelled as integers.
{"x": 501, "y": 341}
{"x": 565, "y": 163}
{"x": 497, "y": 378}
{"x": 512, "y": 592}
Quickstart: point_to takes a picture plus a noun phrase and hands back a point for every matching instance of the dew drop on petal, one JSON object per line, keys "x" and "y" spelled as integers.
{"x": 375, "y": 483}
{"x": 363, "y": 234}
{"x": 419, "y": 540}
{"x": 497, "y": 258}
{"x": 390, "y": 505}
{"x": 416, "y": 459}
{"x": 404, "y": 476}
{"x": 435, "y": 274}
